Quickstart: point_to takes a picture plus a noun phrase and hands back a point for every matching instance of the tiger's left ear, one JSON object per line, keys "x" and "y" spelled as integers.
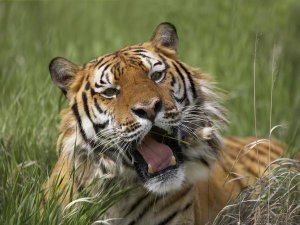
{"x": 63, "y": 72}
{"x": 165, "y": 35}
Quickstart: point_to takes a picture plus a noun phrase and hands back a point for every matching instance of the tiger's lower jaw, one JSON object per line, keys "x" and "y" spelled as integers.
{"x": 169, "y": 181}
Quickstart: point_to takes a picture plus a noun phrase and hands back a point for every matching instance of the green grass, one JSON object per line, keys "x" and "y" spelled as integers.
{"x": 218, "y": 36}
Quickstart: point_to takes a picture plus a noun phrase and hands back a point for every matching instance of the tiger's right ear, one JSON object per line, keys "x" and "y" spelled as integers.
{"x": 62, "y": 72}
{"x": 165, "y": 35}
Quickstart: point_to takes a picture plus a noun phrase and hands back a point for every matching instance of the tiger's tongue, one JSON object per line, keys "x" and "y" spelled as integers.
{"x": 156, "y": 154}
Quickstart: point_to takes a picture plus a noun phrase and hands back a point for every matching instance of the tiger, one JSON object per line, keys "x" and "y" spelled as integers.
{"x": 140, "y": 116}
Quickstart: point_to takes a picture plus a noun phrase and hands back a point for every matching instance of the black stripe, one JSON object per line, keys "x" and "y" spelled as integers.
{"x": 190, "y": 79}
{"x": 92, "y": 92}
{"x": 204, "y": 161}
{"x": 136, "y": 204}
{"x": 187, "y": 207}
{"x": 118, "y": 73}
{"x": 140, "y": 51}
{"x": 104, "y": 70}
{"x": 101, "y": 81}
{"x": 179, "y": 100}
{"x": 173, "y": 200}
{"x": 103, "y": 168}
{"x": 164, "y": 60}
{"x": 100, "y": 126}
{"x": 97, "y": 126}
{"x": 169, "y": 218}
{"x": 136, "y": 60}
{"x": 98, "y": 106}
{"x": 86, "y": 107}
{"x": 106, "y": 78}
{"x": 246, "y": 156}
{"x": 173, "y": 81}
{"x": 157, "y": 63}
{"x": 182, "y": 78}
{"x": 172, "y": 216}
{"x": 100, "y": 61}
{"x": 87, "y": 86}
{"x": 145, "y": 210}
{"x": 145, "y": 56}
{"x": 103, "y": 73}
{"x": 77, "y": 115}
{"x": 154, "y": 200}
{"x": 98, "y": 85}
{"x": 102, "y": 64}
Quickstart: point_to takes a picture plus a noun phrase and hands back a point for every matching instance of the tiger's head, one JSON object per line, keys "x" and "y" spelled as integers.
{"x": 144, "y": 115}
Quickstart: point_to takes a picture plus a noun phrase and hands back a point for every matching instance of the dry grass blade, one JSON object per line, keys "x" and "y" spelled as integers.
{"x": 273, "y": 199}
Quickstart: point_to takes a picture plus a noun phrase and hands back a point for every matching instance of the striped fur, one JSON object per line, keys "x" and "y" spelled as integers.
{"x": 105, "y": 122}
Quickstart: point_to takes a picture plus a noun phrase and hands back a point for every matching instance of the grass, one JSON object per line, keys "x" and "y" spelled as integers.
{"x": 218, "y": 36}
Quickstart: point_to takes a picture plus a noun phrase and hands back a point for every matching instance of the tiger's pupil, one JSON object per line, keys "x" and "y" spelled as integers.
{"x": 156, "y": 76}
{"x": 109, "y": 92}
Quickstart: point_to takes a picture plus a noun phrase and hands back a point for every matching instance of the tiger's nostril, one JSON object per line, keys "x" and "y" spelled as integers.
{"x": 157, "y": 106}
{"x": 140, "y": 113}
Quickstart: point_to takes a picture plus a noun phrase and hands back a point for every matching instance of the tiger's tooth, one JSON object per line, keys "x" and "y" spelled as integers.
{"x": 206, "y": 133}
{"x": 150, "y": 169}
{"x": 173, "y": 161}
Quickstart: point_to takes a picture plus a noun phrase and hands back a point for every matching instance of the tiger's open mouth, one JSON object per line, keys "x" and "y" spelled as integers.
{"x": 157, "y": 154}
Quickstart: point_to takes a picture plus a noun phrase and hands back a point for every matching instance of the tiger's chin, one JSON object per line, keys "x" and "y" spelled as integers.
{"x": 171, "y": 180}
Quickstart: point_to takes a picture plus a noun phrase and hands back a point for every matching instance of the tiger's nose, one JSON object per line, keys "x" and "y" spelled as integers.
{"x": 147, "y": 109}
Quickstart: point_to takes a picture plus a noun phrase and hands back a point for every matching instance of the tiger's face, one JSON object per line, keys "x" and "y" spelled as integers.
{"x": 152, "y": 116}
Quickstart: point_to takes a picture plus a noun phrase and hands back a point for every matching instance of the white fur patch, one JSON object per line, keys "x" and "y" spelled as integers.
{"x": 99, "y": 117}
{"x": 162, "y": 186}
{"x": 88, "y": 128}
{"x": 195, "y": 171}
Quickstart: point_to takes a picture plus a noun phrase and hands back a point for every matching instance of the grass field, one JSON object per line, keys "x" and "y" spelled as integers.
{"x": 218, "y": 36}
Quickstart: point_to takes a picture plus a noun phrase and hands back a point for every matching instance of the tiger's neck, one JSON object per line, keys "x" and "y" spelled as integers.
{"x": 194, "y": 204}
{"x": 143, "y": 208}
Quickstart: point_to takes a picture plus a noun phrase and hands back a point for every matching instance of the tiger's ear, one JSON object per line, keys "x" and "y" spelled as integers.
{"x": 165, "y": 35}
{"x": 62, "y": 72}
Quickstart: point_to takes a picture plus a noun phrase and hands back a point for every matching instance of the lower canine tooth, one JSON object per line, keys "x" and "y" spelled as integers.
{"x": 150, "y": 169}
{"x": 173, "y": 161}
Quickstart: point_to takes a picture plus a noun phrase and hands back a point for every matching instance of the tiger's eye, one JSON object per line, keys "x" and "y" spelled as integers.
{"x": 157, "y": 76}
{"x": 110, "y": 92}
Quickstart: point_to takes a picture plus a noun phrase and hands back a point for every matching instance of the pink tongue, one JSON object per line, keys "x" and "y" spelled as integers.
{"x": 156, "y": 154}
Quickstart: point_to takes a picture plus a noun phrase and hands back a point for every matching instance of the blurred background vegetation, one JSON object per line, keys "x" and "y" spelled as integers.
{"x": 217, "y": 36}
